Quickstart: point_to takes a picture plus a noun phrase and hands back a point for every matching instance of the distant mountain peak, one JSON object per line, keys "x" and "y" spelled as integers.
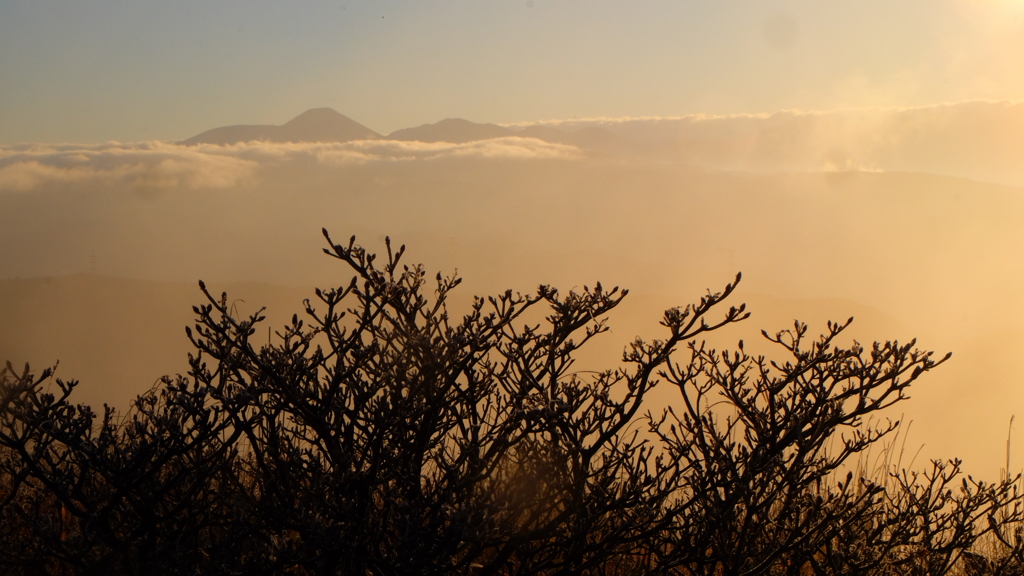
{"x": 314, "y": 125}
{"x": 318, "y": 115}
{"x": 454, "y": 130}
{"x": 329, "y": 125}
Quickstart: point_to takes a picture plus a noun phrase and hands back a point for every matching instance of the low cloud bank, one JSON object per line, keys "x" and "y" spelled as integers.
{"x": 981, "y": 140}
{"x": 166, "y": 165}
{"x": 148, "y": 164}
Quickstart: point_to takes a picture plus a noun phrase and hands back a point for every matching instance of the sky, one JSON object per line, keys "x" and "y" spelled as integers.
{"x": 135, "y": 70}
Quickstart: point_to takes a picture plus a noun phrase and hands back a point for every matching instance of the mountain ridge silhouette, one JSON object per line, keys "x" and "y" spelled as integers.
{"x": 328, "y": 125}
{"x": 313, "y": 125}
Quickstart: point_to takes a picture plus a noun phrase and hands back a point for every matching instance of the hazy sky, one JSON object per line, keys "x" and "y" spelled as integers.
{"x": 134, "y": 70}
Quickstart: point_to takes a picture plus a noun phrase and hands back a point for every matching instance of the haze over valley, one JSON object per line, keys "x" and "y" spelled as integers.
{"x": 862, "y": 161}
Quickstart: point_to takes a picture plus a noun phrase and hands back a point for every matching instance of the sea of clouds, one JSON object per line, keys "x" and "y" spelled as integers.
{"x": 167, "y": 165}
{"x": 978, "y": 139}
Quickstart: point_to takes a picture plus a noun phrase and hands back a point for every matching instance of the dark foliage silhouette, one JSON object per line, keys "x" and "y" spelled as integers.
{"x": 378, "y": 435}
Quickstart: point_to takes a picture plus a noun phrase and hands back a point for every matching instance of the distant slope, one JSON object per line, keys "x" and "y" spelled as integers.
{"x": 115, "y": 335}
{"x": 454, "y": 130}
{"x": 316, "y": 125}
{"x": 325, "y": 125}
{"x": 233, "y": 135}
{"x": 118, "y": 336}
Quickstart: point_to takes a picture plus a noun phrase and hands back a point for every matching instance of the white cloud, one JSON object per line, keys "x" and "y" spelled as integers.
{"x": 363, "y": 151}
{"x": 702, "y": 117}
{"x": 147, "y": 165}
{"x": 165, "y": 165}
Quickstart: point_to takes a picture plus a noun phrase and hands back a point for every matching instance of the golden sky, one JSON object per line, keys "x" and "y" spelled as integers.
{"x": 146, "y": 69}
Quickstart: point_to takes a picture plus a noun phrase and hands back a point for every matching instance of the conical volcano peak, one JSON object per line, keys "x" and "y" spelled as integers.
{"x": 314, "y": 125}
{"x": 325, "y": 125}
{"x": 317, "y": 116}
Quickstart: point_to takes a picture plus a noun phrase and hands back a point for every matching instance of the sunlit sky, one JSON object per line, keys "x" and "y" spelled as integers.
{"x": 134, "y": 70}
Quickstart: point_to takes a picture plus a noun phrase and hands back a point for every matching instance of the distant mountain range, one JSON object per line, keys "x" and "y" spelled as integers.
{"x": 979, "y": 140}
{"x": 316, "y": 125}
{"x": 328, "y": 125}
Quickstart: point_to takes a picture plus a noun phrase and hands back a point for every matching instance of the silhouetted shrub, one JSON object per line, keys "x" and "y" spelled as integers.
{"x": 379, "y": 435}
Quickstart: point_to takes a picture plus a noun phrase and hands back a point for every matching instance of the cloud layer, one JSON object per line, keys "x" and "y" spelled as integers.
{"x": 981, "y": 140}
{"x": 164, "y": 165}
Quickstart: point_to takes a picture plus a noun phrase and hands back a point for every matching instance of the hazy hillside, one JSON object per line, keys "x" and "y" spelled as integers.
{"x": 912, "y": 254}
{"x": 117, "y": 335}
